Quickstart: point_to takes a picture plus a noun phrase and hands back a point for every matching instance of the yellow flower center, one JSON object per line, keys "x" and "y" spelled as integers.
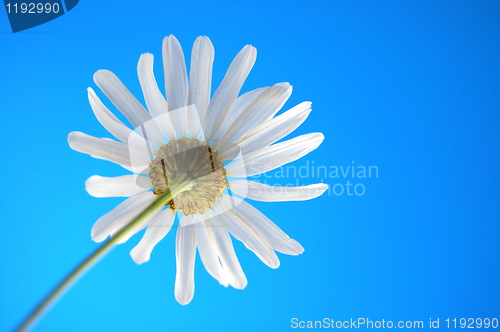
{"x": 183, "y": 160}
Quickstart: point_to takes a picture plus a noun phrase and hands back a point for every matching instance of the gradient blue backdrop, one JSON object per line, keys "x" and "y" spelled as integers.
{"x": 410, "y": 87}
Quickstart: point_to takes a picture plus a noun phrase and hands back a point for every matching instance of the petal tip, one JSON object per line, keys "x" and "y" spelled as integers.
{"x": 241, "y": 285}
{"x": 72, "y": 137}
{"x": 98, "y": 237}
{"x": 184, "y": 299}
{"x": 100, "y": 72}
{"x": 138, "y": 258}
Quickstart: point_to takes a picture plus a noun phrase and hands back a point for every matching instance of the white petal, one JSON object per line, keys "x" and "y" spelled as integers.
{"x": 225, "y": 250}
{"x": 126, "y": 103}
{"x": 228, "y": 90}
{"x": 156, "y": 103}
{"x": 185, "y": 251}
{"x": 176, "y": 82}
{"x": 119, "y": 95}
{"x": 200, "y": 79}
{"x": 178, "y": 117}
{"x": 239, "y": 106}
{"x": 112, "y": 124}
{"x": 208, "y": 252}
{"x": 137, "y": 228}
{"x": 278, "y": 240}
{"x": 106, "y": 149}
{"x": 261, "y": 192}
{"x": 276, "y": 155}
{"x": 107, "y": 119}
{"x": 121, "y": 215}
{"x": 261, "y": 109}
{"x": 155, "y": 232}
{"x": 117, "y": 128}
{"x": 194, "y": 122}
{"x": 269, "y": 132}
{"x": 244, "y": 232}
{"x": 121, "y": 186}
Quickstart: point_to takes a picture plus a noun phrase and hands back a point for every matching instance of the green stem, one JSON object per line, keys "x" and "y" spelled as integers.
{"x": 95, "y": 256}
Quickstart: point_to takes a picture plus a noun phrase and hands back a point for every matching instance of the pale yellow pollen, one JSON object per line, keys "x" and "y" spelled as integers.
{"x": 183, "y": 160}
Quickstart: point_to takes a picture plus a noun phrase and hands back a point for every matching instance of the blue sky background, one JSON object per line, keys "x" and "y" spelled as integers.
{"x": 412, "y": 88}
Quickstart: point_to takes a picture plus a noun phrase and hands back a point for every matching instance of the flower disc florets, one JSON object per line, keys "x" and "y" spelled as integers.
{"x": 183, "y": 160}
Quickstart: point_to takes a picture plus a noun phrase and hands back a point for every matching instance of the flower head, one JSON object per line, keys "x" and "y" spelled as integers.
{"x": 203, "y": 149}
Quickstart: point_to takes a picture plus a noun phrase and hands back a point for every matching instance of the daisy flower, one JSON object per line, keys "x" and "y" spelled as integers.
{"x": 201, "y": 149}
